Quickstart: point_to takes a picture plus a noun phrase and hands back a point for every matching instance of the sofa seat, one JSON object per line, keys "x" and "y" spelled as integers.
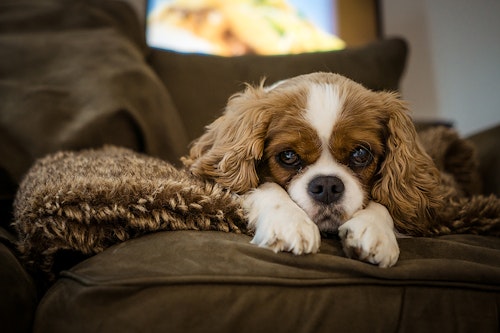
{"x": 190, "y": 281}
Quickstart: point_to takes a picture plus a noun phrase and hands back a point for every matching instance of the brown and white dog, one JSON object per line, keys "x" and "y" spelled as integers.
{"x": 320, "y": 153}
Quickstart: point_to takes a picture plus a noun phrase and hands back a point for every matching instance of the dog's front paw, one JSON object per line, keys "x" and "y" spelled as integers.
{"x": 287, "y": 230}
{"x": 369, "y": 236}
{"x": 278, "y": 222}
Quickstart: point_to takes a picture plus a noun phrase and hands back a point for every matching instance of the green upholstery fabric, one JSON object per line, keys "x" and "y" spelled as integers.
{"x": 18, "y": 296}
{"x": 189, "y": 281}
{"x": 486, "y": 143}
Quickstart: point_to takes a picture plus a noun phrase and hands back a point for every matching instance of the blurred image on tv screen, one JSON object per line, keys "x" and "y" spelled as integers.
{"x": 238, "y": 27}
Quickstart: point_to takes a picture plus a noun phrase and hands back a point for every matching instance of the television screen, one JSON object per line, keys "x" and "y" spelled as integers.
{"x": 237, "y": 27}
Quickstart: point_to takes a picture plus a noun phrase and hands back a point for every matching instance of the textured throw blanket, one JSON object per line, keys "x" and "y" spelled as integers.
{"x": 83, "y": 202}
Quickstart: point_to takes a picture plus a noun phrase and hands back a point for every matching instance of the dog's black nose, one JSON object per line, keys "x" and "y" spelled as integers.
{"x": 326, "y": 189}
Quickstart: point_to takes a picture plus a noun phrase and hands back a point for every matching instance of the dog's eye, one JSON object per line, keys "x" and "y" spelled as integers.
{"x": 360, "y": 157}
{"x": 289, "y": 158}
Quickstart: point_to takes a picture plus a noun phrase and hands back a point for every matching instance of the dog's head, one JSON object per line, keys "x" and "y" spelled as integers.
{"x": 330, "y": 143}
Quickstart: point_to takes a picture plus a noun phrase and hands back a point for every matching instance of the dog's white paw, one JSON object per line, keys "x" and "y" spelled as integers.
{"x": 279, "y": 223}
{"x": 287, "y": 230}
{"x": 369, "y": 236}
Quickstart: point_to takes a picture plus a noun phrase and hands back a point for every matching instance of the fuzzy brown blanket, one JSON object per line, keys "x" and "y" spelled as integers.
{"x": 87, "y": 201}
{"x": 83, "y": 202}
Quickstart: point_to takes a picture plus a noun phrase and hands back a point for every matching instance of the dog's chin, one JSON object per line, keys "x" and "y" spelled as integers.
{"x": 329, "y": 218}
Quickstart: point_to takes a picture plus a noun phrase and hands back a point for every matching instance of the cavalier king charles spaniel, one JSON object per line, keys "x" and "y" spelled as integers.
{"x": 321, "y": 153}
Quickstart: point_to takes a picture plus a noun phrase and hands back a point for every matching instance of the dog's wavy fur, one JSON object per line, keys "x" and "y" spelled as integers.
{"x": 409, "y": 180}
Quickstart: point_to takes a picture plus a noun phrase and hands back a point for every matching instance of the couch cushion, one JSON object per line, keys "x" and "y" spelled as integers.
{"x": 200, "y": 84}
{"x": 189, "y": 281}
{"x": 74, "y": 75}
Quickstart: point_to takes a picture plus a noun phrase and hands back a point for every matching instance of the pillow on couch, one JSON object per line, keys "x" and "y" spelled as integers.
{"x": 200, "y": 84}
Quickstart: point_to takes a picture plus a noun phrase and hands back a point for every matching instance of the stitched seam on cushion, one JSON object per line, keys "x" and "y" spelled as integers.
{"x": 268, "y": 281}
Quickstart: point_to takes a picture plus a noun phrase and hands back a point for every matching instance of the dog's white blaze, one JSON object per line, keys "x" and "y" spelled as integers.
{"x": 323, "y": 107}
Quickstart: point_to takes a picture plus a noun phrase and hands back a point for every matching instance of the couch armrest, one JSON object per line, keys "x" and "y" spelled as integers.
{"x": 486, "y": 143}
{"x": 18, "y": 290}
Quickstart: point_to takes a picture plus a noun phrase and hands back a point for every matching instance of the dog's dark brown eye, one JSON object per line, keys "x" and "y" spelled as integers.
{"x": 360, "y": 157}
{"x": 289, "y": 158}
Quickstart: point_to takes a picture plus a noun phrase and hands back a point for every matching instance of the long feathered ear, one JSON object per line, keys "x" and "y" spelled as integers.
{"x": 409, "y": 181}
{"x": 233, "y": 143}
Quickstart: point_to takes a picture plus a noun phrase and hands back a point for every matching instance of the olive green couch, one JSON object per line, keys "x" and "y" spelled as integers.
{"x": 77, "y": 74}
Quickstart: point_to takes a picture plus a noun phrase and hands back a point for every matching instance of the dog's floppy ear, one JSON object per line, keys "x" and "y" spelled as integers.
{"x": 233, "y": 143}
{"x": 408, "y": 183}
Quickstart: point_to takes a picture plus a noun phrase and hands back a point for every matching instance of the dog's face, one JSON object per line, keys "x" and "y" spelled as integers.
{"x": 323, "y": 146}
{"x": 329, "y": 142}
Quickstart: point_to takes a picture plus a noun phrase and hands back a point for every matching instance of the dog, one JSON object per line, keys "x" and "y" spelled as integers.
{"x": 319, "y": 153}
